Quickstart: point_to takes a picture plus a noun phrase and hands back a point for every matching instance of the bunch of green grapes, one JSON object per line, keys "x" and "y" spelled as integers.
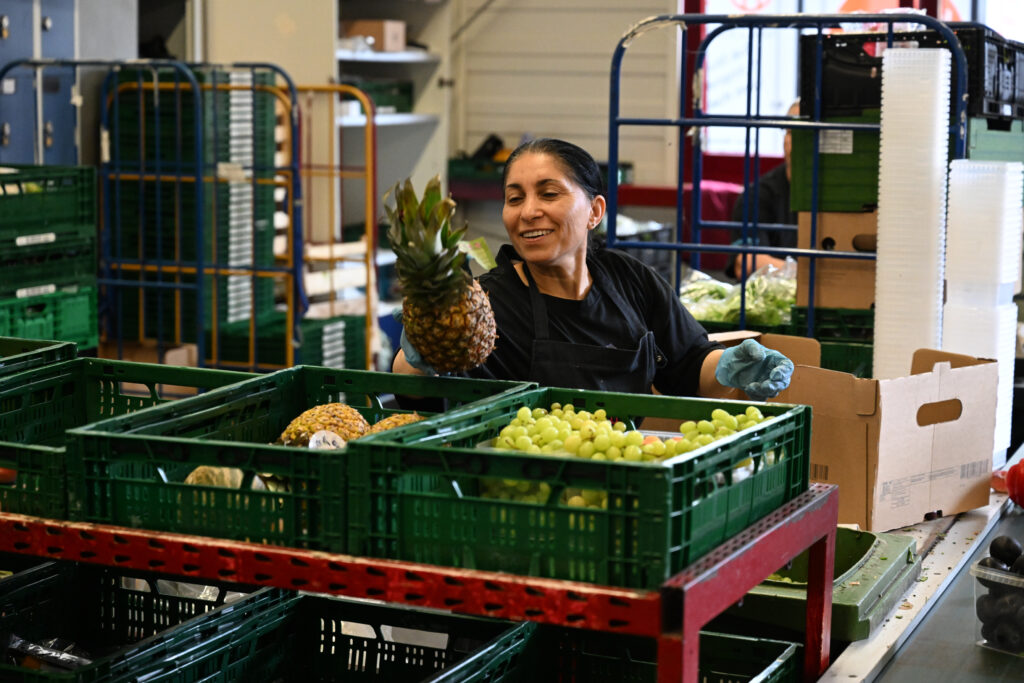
{"x": 564, "y": 431}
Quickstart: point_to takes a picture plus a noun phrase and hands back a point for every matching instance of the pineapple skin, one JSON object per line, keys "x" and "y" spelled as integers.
{"x": 446, "y": 314}
{"x": 396, "y": 420}
{"x": 459, "y": 337}
{"x": 340, "y": 418}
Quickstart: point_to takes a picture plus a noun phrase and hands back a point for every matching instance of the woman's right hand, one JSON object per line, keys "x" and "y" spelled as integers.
{"x": 408, "y": 360}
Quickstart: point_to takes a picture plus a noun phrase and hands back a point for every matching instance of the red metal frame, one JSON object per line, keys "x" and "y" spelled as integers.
{"x": 688, "y": 601}
{"x": 713, "y": 583}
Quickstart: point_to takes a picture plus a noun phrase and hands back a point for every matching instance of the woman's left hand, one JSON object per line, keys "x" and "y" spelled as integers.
{"x": 761, "y": 372}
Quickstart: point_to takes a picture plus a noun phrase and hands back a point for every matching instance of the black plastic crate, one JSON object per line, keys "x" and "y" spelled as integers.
{"x": 852, "y": 69}
{"x": 113, "y": 616}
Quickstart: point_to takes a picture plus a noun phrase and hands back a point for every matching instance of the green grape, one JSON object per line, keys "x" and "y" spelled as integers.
{"x": 705, "y": 427}
{"x": 523, "y": 443}
{"x": 556, "y": 445}
{"x": 564, "y": 430}
{"x": 523, "y": 486}
{"x": 592, "y": 497}
{"x": 577, "y": 502}
{"x": 505, "y": 442}
{"x": 632, "y": 453}
{"x": 549, "y": 434}
{"x": 507, "y": 431}
{"x": 543, "y": 491}
{"x": 586, "y": 449}
{"x": 598, "y": 455}
{"x": 754, "y": 413}
{"x": 588, "y": 430}
{"x": 538, "y": 413}
{"x": 543, "y": 423}
{"x": 524, "y": 413}
{"x": 704, "y": 439}
{"x": 600, "y": 414}
{"x": 534, "y": 448}
{"x": 658, "y": 448}
{"x": 723, "y": 432}
{"x": 614, "y": 453}
{"x": 519, "y": 431}
{"x": 684, "y": 446}
{"x": 619, "y": 426}
{"x": 602, "y": 442}
{"x": 535, "y": 438}
{"x": 569, "y": 408}
{"x": 634, "y": 438}
{"x": 670, "y": 447}
{"x": 572, "y": 443}
{"x": 618, "y": 439}
{"x": 688, "y": 427}
{"x": 556, "y": 406}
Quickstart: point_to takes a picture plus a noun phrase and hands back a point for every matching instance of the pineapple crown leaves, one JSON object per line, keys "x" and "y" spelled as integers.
{"x": 429, "y": 261}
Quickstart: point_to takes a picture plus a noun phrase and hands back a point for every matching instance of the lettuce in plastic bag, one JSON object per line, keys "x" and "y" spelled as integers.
{"x": 770, "y": 293}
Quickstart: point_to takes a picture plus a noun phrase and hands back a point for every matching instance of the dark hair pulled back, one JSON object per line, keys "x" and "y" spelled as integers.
{"x": 578, "y": 163}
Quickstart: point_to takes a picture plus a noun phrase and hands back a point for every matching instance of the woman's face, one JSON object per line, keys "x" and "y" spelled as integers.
{"x": 546, "y": 214}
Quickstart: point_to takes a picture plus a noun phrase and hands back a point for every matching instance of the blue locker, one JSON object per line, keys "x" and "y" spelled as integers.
{"x": 57, "y": 29}
{"x": 19, "y": 42}
{"x": 17, "y": 108}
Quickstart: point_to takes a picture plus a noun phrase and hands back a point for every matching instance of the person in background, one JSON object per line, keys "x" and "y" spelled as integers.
{"x": 573, "y": 314}
{"x": 772, "y": 207}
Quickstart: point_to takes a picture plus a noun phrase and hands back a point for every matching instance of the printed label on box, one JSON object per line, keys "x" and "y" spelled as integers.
{"x": 38, "y": 290}
{"x": 836, "y": 142}
{"x": 41, "y": 238}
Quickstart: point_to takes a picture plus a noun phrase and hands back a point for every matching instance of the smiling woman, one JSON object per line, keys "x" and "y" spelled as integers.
{"x": 570, "y": 313}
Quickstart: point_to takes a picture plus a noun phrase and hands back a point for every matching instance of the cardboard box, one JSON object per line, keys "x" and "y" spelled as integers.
{"x": 838, "y": 282}
{"x": 388, "y": 35}
{"x": 898, "y": 448}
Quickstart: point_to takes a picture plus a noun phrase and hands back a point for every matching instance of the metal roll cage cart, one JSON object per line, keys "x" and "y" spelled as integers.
{"x": 185, "y": 162}
{"x": 689, "y": 127}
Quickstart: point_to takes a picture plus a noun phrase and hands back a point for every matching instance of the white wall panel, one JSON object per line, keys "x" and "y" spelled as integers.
{"x": 543, "y": 68}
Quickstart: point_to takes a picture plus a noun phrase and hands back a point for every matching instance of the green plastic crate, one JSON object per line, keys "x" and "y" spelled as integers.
{"x": 287, "y": 636}
{"x": 856, "y": 325}
{"x": 38, "y": 406}
{"x": 18, "y": 355}
{"x": 113, "y": 615}
{"x": 131, "y": 470}
{"x": 847, "y": 169}
{"x": 68, "y": 316}
{"x": 855, "y": 359}
{"x": 422, "y": 492}
{"x": 337, "y": 342}
{"x": 45, "y": 268}
{"x": 40, "y": 199}
{"x": 598, "y": 657}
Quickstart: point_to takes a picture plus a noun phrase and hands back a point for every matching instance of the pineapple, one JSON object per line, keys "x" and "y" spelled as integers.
{"x": 392, "y": 421}
{"x": 342, "y": 419}
{"x": 447, "y": 315}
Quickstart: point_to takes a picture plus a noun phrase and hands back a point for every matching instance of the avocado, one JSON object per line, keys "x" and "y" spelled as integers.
{"x": 992, "y": 563}
{"x": 1007, "y": 637}
{"x": 1006, "y": 549}
{"x": 986, "y": 608}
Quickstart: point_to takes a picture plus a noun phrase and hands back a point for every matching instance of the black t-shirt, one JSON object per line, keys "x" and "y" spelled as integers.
{"x": 596, "y": 320}
{"x": 772, "y": 207}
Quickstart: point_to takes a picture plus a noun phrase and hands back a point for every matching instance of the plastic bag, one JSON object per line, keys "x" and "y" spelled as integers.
{"x": 770, "y": 295}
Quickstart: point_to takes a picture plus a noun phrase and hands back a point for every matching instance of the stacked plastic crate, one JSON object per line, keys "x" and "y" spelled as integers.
{"x": 48, "y": 253}
{"x": 848, "y": 168}
{"x": 155, "y": 212}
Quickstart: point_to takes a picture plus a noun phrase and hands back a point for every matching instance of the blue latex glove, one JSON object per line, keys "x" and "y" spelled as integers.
{"x": 412, "y": 356}
{"x": 759, "y": 371}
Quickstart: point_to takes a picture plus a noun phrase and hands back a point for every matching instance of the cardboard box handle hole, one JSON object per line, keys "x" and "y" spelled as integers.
{"x": 940, "y": 411}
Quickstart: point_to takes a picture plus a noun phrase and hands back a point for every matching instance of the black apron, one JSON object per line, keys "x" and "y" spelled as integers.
{"x": 586, "y": 366}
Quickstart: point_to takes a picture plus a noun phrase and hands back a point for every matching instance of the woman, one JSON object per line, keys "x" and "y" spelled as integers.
{"x": 573, "y": 315}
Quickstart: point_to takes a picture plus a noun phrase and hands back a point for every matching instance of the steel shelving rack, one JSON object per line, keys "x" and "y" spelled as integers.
{"x": 691, "y": 118}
